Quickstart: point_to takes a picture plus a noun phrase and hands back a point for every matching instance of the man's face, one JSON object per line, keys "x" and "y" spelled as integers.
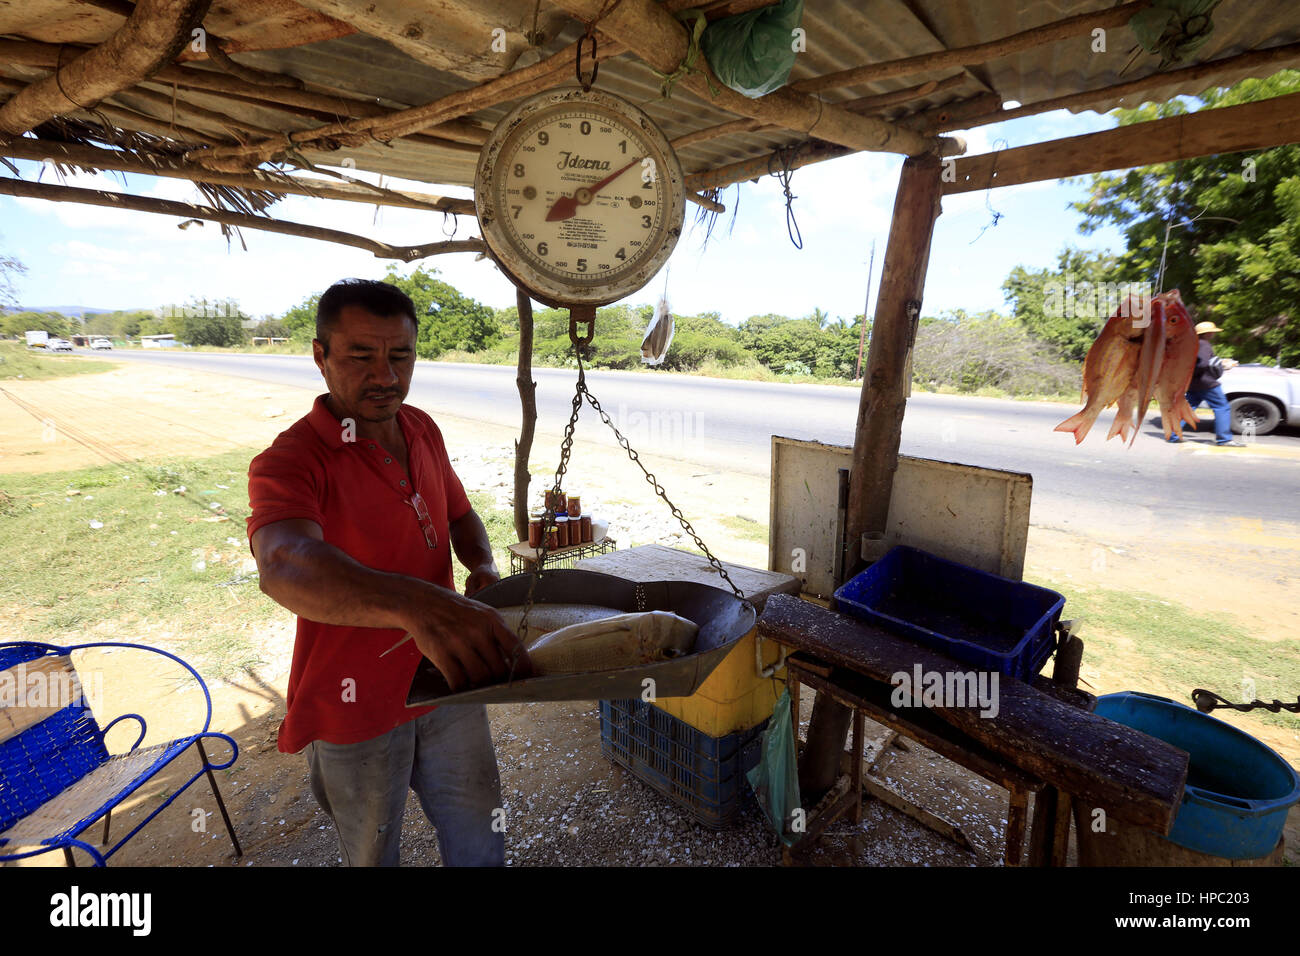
{"x": 368, "y": 369}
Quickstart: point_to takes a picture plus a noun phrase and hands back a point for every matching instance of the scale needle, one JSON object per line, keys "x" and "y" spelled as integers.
{"x": 566, "y": 207}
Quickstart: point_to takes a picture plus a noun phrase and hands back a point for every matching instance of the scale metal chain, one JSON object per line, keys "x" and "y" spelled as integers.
{"x": 566, "y": 448}
{"x": 539, "y": 558}
{"x": 654, "y": 483}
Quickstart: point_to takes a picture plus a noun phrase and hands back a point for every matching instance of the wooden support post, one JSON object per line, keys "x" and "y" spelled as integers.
{"x": 528, "y": 402}
{"x": 880, "y": 418}
{"x": 885, "y": 385}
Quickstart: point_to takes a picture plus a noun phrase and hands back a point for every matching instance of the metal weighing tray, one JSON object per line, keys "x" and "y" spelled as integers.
{"x": 723, "y": 620}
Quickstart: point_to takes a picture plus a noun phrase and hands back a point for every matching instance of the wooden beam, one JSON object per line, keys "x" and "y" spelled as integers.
{"x": 658, "y": 38}
{"x": 334, "y": 105}
{"x": 949, "y": 116}
{"x": 1081, "y": 24}
{"x": 885, "y": 384}
{"x": 93, "y": 157}
{"x": 879, "y": 429}
{"x": 520, "y": 82}
{"x": 151, "y": 38}
{"x": 1261, "y": 62}
{"x": 185, "y": 210}
{"x": 864, "y": 105}
{"x": 1137, "y": 778}
{"x": 1229, "y": 129}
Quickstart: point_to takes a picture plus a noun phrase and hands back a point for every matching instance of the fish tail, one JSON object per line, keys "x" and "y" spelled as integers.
{"x": 1187, "y": 413}
{"x": 1079, "y": 425}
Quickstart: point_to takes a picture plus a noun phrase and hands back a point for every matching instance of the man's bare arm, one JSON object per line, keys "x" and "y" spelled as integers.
{"x": 467, "y": 641}
{"x": 469, "y": 539}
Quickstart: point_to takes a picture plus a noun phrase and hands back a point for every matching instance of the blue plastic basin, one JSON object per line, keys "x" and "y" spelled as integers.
{"x": 1238, "y": 789}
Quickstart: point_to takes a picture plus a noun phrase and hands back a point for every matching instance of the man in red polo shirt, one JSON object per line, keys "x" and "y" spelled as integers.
{"x": 355, "y": 514}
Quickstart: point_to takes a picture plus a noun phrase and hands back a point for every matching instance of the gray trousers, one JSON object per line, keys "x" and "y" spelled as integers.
{"x": 446, "y": 757}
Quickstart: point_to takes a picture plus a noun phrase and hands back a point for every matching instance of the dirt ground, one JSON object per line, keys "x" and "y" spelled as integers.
{"x": 565, "y": 803}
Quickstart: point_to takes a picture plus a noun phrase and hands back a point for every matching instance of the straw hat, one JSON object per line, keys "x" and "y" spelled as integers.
{"x": 1203, "y": 327}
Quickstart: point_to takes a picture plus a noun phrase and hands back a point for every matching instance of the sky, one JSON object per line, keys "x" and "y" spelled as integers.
{"x": 96, "y": 257}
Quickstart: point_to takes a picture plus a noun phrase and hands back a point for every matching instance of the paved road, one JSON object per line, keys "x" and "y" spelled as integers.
{"x": 726, "y": 426}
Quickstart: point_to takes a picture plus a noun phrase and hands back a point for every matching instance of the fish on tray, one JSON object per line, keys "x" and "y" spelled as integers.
{"x": 610, "y": 643}
{"x": 544, "y": 618}
{"x": 576, "y": 638}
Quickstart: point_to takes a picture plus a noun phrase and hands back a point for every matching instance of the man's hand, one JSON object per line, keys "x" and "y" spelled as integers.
{"x": 467, "y": 641}
{"x": 480, "y": 578}
{"x": 1229, "y": 363}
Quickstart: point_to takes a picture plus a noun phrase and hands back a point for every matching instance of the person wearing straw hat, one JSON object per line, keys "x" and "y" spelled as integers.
{"x": 1205, "y": 387}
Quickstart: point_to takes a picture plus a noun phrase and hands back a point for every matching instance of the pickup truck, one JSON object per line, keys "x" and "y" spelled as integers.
{"x": 1262, "y": 397}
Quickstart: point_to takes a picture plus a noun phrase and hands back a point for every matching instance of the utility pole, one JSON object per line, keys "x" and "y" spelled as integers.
{"x": 866, "y": 308}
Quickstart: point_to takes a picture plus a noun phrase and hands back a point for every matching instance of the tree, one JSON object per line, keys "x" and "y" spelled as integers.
{"x": 16, "y": 323}
{"x": 300, "y": 321}
{"x": 1068, "y": 305}
{"x": 447, "y": 318}
{"x": 1235, "y": 253}
{"x": 10, "y": 269}
{"x": 201, "y": 321}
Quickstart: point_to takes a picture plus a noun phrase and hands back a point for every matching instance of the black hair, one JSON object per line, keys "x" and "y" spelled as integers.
{"x": 378, "y": 298}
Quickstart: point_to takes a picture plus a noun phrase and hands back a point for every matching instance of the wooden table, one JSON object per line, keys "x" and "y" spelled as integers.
{"x": 1044, "y": 738}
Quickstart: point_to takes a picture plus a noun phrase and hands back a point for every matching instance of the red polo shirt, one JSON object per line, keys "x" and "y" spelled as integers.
{"x": 340, "y": 689}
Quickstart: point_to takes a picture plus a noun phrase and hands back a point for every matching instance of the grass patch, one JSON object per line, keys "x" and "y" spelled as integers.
{"x": 17, "y": 361}
{"x": 745, "y": 528}
{"x": 160, "y": 561}
{"x": 163, "y": 567}
{"x": 1170, "y": 650}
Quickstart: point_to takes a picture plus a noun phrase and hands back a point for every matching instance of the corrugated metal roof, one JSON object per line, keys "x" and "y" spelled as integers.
{"x": 840, "y": 34}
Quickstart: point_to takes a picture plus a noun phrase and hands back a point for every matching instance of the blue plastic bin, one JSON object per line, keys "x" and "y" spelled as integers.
{"x": 984, "y": 620}
{"x": 1238, "y": 789}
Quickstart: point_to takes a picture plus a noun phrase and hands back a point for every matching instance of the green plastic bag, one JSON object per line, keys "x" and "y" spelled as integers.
{"x": 754, "y": 52}
{"x": 1174, "y": 28}
{"x": 776, "y": 778}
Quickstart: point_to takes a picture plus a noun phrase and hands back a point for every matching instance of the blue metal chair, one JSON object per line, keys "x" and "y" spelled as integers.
{"x": 57, "y": 778}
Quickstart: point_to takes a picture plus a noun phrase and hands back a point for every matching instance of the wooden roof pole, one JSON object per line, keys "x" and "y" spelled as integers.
{"x": 93, "y": 157}
{"x": 46, "y": 55}
{"x": 151, "y": 38}
{"x": 186, "y": 210}
{"x": 1226, "y": 129}
{"x": 885, "y": 387}
{"x": 657, "y": 37}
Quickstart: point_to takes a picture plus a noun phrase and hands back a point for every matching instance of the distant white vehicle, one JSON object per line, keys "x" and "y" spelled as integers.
{"x": 100, "y": 344}
{"x": 59, "y": 345}
{"x": 38, "y": 339}
{"x": 164, "y": 341}
{"x": 1262, "y": 397}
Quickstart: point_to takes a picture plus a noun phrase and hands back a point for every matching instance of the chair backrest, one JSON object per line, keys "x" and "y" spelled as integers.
{"x": 48, "y": 736}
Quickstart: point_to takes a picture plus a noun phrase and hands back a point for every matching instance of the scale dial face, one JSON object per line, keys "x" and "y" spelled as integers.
{"x": 579, "y": 196}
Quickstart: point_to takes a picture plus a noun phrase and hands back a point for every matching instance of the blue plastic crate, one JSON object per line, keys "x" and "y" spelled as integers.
{"x": 984, "y": 620}
{"x": 703, "y": 775}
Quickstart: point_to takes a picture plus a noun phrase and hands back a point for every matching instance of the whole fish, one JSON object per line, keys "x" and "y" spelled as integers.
{"x": 1176, "y": 370}
{"x": 1150, "y": 361}
{"x": 1110, "y": 366}
{"x": 544, "y": 618}
{"x": 625, "y": 640}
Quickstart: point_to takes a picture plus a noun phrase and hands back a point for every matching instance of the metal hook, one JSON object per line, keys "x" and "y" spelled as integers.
{"x": 586, "y": 82}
